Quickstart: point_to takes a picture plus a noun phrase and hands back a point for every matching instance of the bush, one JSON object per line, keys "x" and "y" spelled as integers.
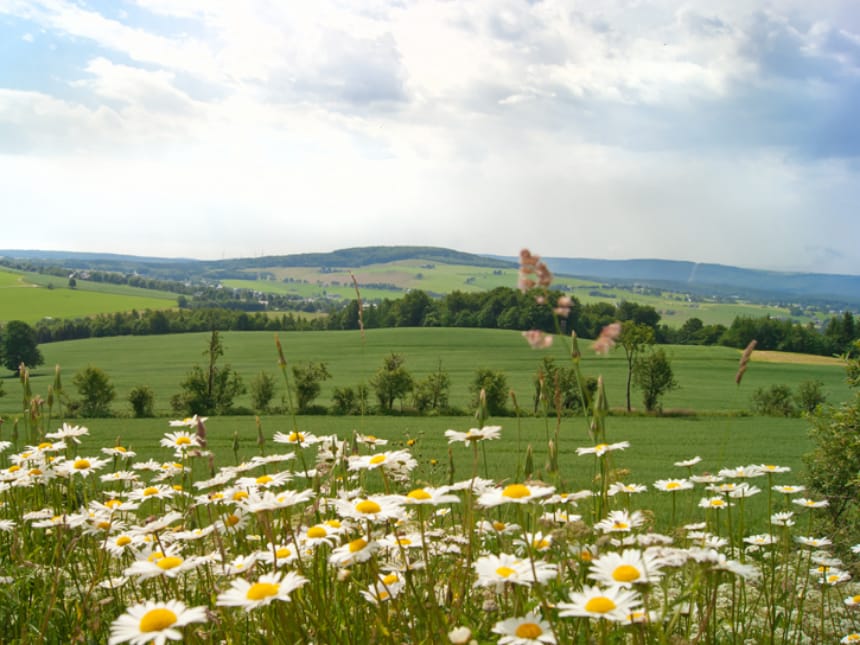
{"x": 774, "y": 401}
{"x": 492, "y": 386}
{"x": 653, "y": 374}
{"x": 810, "y": 394}
{"x": 347, "y": 400}
{"x": 142, "y": 400}
{"x": 262, "y": 391}
{"x": 96, "y": 392}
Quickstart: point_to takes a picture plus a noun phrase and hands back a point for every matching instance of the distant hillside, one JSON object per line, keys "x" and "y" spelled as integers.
{"x": 713, "y": 279}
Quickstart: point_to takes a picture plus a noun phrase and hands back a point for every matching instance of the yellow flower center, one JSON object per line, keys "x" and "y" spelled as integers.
{"x": 103, "y": 525}
{"x": 122, "y": 540}
{"x": 617, "y": 524}
{"x": 541, "y": 544}
{"x": 368, "y": 507}
{"x": 855, "y": 599}
{"x": 261, "y": 590}
{"x": 231, "y": 520}
{"x": 335, "y": 524}
{"x": 419, "y": 493}
{"x": 672, "y": 485}
{"x": 14, "y": 468}
{"x": 113, "y": 503}
{"x": 156, "y": 620}
{"x": 601, "y": 447}
{"x": 404, "y": 541}
{"x": 516, "y": 491}
{"x": 150, "y": 490}
{"x": 119, "y": 449}
{"x": 35, "y": 472}
{"x": 170, "y": 562}
{"x": 81, "y": 464}
{"x": 183, "y": 441}
{"x": 283, "y": 552}
{"x": 357, "y": 545}
{"x": 717, "y": 503}
{"x": 390, "y": 579}
{"x": 240, "y": 494}
{"x": 216, "y": 496}
{"x": 317, "y": 532}
{"x": 585, "y": 555}
{"x": 528, "y": 630}
{"x": 625, "y": 573}
{"x": 44, "y": 445}
{"x": 370, "y": 438}
{"x": 505, "y": 572}
{"x": 377, "y": 459}
{"x": 599, "y": 605}
{"x": 296, "y": 436}
{"x": 499, "y": 526}
{"x": 263, "y": 480}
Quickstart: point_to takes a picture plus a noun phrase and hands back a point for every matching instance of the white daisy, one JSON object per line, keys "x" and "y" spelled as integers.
{"x": 267, "y": 588}
{"x": 602, "y": 448}
{"x": 626, "y": 569}
{"x": 154, "y": 622}
{"x": 486, "y": 433}
{"x": 514, "y": 493}
{"x": 613, "y": 603}
{"x": 526, "y": 630}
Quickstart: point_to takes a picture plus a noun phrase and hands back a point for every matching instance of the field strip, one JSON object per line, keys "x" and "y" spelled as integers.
{"x": 768, "y": 356}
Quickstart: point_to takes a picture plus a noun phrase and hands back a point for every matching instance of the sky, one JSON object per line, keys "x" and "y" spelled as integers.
{"x": 723, "y": 132}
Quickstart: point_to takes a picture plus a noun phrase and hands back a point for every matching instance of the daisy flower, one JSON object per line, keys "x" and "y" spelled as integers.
{"x": 628, "y": 489}
{"x": 514, "y": 493}
{"x": 268, "y": 587}
{"x": 69, "y": 432}
{"x": 783, "y": 518}
{"x": 818, "y": 543}
{"x": 188, "y": 422}
{"x": 851, "y": 638}
{"x": 154, "y": 622}
{"x": 388, "y": 586}
{"x": 276, "y": 555}
{"x": 789, "y": 490}
{"x": 810, "y": 503}
{"x": 119, "y": 451}
{"x": 620, "y": 521}
{"x": 430, "y": 496}
{"x": 673, "y": 485}
{"x": 762, "y": 539}
{"x": 716, "y": 503}
{"x": 625, "y": 569}
{"x": 358, "y": 550}
{"x": 852, "y": 602}
{"x": 265, "y": 481}
{"x": 370, "y": 440}
{"x": 688, "y": 463}
{"x": 375, "y": 508}
{"x": 474, "y": 434}
{"x": 296, "y": 438}
{"x": 180, "y": 440}
{"x": 613, "y": 604}
{"x": 392, "y": 459}
{"x": 83, "y": 466}
{"x": 770, "y": 468}
{"x": 602, "y": 448}
{"x": 526, "y": 630}
{"x": 496, "y": 570}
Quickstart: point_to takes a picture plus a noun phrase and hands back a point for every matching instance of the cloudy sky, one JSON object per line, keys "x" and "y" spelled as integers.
{"x": 708, "y": 131}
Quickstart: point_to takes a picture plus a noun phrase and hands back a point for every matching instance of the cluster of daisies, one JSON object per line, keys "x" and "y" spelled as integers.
{"x": 332, "y": 521}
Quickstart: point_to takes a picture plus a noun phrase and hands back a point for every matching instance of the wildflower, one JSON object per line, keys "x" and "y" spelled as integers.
{"x": 69, "y": 432}
{"x": 387, "y": 586}
{"x": 297, "y": 438}
{"x": 620, "y": 521}
{"x": 563, "y": 306}
{"x": 398, "y": 460}
{"x": 474, "y": 434}
{"x": 358, "y": 550}
{"x": 716, "y": 503}
{"x": 161, "y": 563}
{"x": 613, "y": 603}
{"x": 762, "y": 539}
{"x": 119, "y": 451}
{"x": 742, "y": 472}
{"x": 770, "y": 468}
{"x": 602, "y": 448}
{"x": 83, "y": 466}
{"x": 188, "y": 422}
{"x": 608, "y": 336}
{"x": 817, "y": 543}
{"x": 154, "y": 622}
{"x": 180, "y": 440}
{"x": 835, "y": 577}
{"x": 267, "y": 588}
{"x": 673, "y": 485}
{"x": 809, "y": 503}
{"x": 460, "y": 635}
{"x": 430, "y": 496}
{"x": 784, "y": 518}
{"x": 370, "y": 440}
{"x": 537, "y": 339}
{"x": 687, "y": 463}
{"x": 789, "y": 490}
{"x": 265, "y": 481}
{"x": 744, "y": 490}
{"x": 514, "y": 493}
{"x": 851, "y": 638}
{"x": 852, "y": 602}
{"x": 526, "y": 630}
{"x": 624, "y": 570}
{"x": 375, "y": 508}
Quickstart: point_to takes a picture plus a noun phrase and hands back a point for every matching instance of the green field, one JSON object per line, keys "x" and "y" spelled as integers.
{"x": 705, "y": 374}
{"x": 31, "y": 297}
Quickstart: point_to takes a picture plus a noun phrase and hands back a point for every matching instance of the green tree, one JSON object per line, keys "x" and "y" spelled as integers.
{"x": 262, "y": 391}
{"x": 558, "y": 386}
{"x": 774, "y": 401}
{"x": 142, "y": 400}
{"x": 209, "y": 391}
{"x": 810, "y": 394}
{"x": 653, "y": 375}
{"x": 96, "y": 391}
{"x": 19, "y": 345}
{"x": 431, "y": 394}
{"x": 308, "y": 378}
{"x": 391, "y": 382}
{"x": 346, "y": 400}
{"x": 494, "y": 385}
{"x": 634, "y": 338}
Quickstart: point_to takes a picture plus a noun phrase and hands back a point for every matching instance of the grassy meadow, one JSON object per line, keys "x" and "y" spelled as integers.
{"x": 31, "y": 297}
{"x": 705, "y": 374}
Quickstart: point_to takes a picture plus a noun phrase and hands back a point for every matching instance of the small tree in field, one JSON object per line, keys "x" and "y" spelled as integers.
{"x": 634, "y": 338}
{"x": 262, "y": 391}
{"x": 96, "y": 392}
{"x": 209, "y": 391}
{"x": 431, "y": 394}
{"x": 810, "y": 394}
{"x": 391, "y": 382}
{"x": 494, "y": 385}
{"x": 142, "y": 400}
{"x": 308, "y": 378}
{"x": 18, "y": 344}
{"x": 653, "y": 375}
{"x": 774, "y": 401}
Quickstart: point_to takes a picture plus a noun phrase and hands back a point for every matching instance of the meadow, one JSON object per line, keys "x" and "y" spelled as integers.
{"x": 31, "y": 297}
{"x": 705, "y": 374}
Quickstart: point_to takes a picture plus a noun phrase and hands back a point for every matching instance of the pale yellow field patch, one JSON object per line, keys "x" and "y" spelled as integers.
{"x": 767, "y": 356}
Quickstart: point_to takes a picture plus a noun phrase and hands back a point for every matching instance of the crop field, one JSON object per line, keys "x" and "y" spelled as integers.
{"x": 705, "y": 374}
{"x": 31, "y": 297}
